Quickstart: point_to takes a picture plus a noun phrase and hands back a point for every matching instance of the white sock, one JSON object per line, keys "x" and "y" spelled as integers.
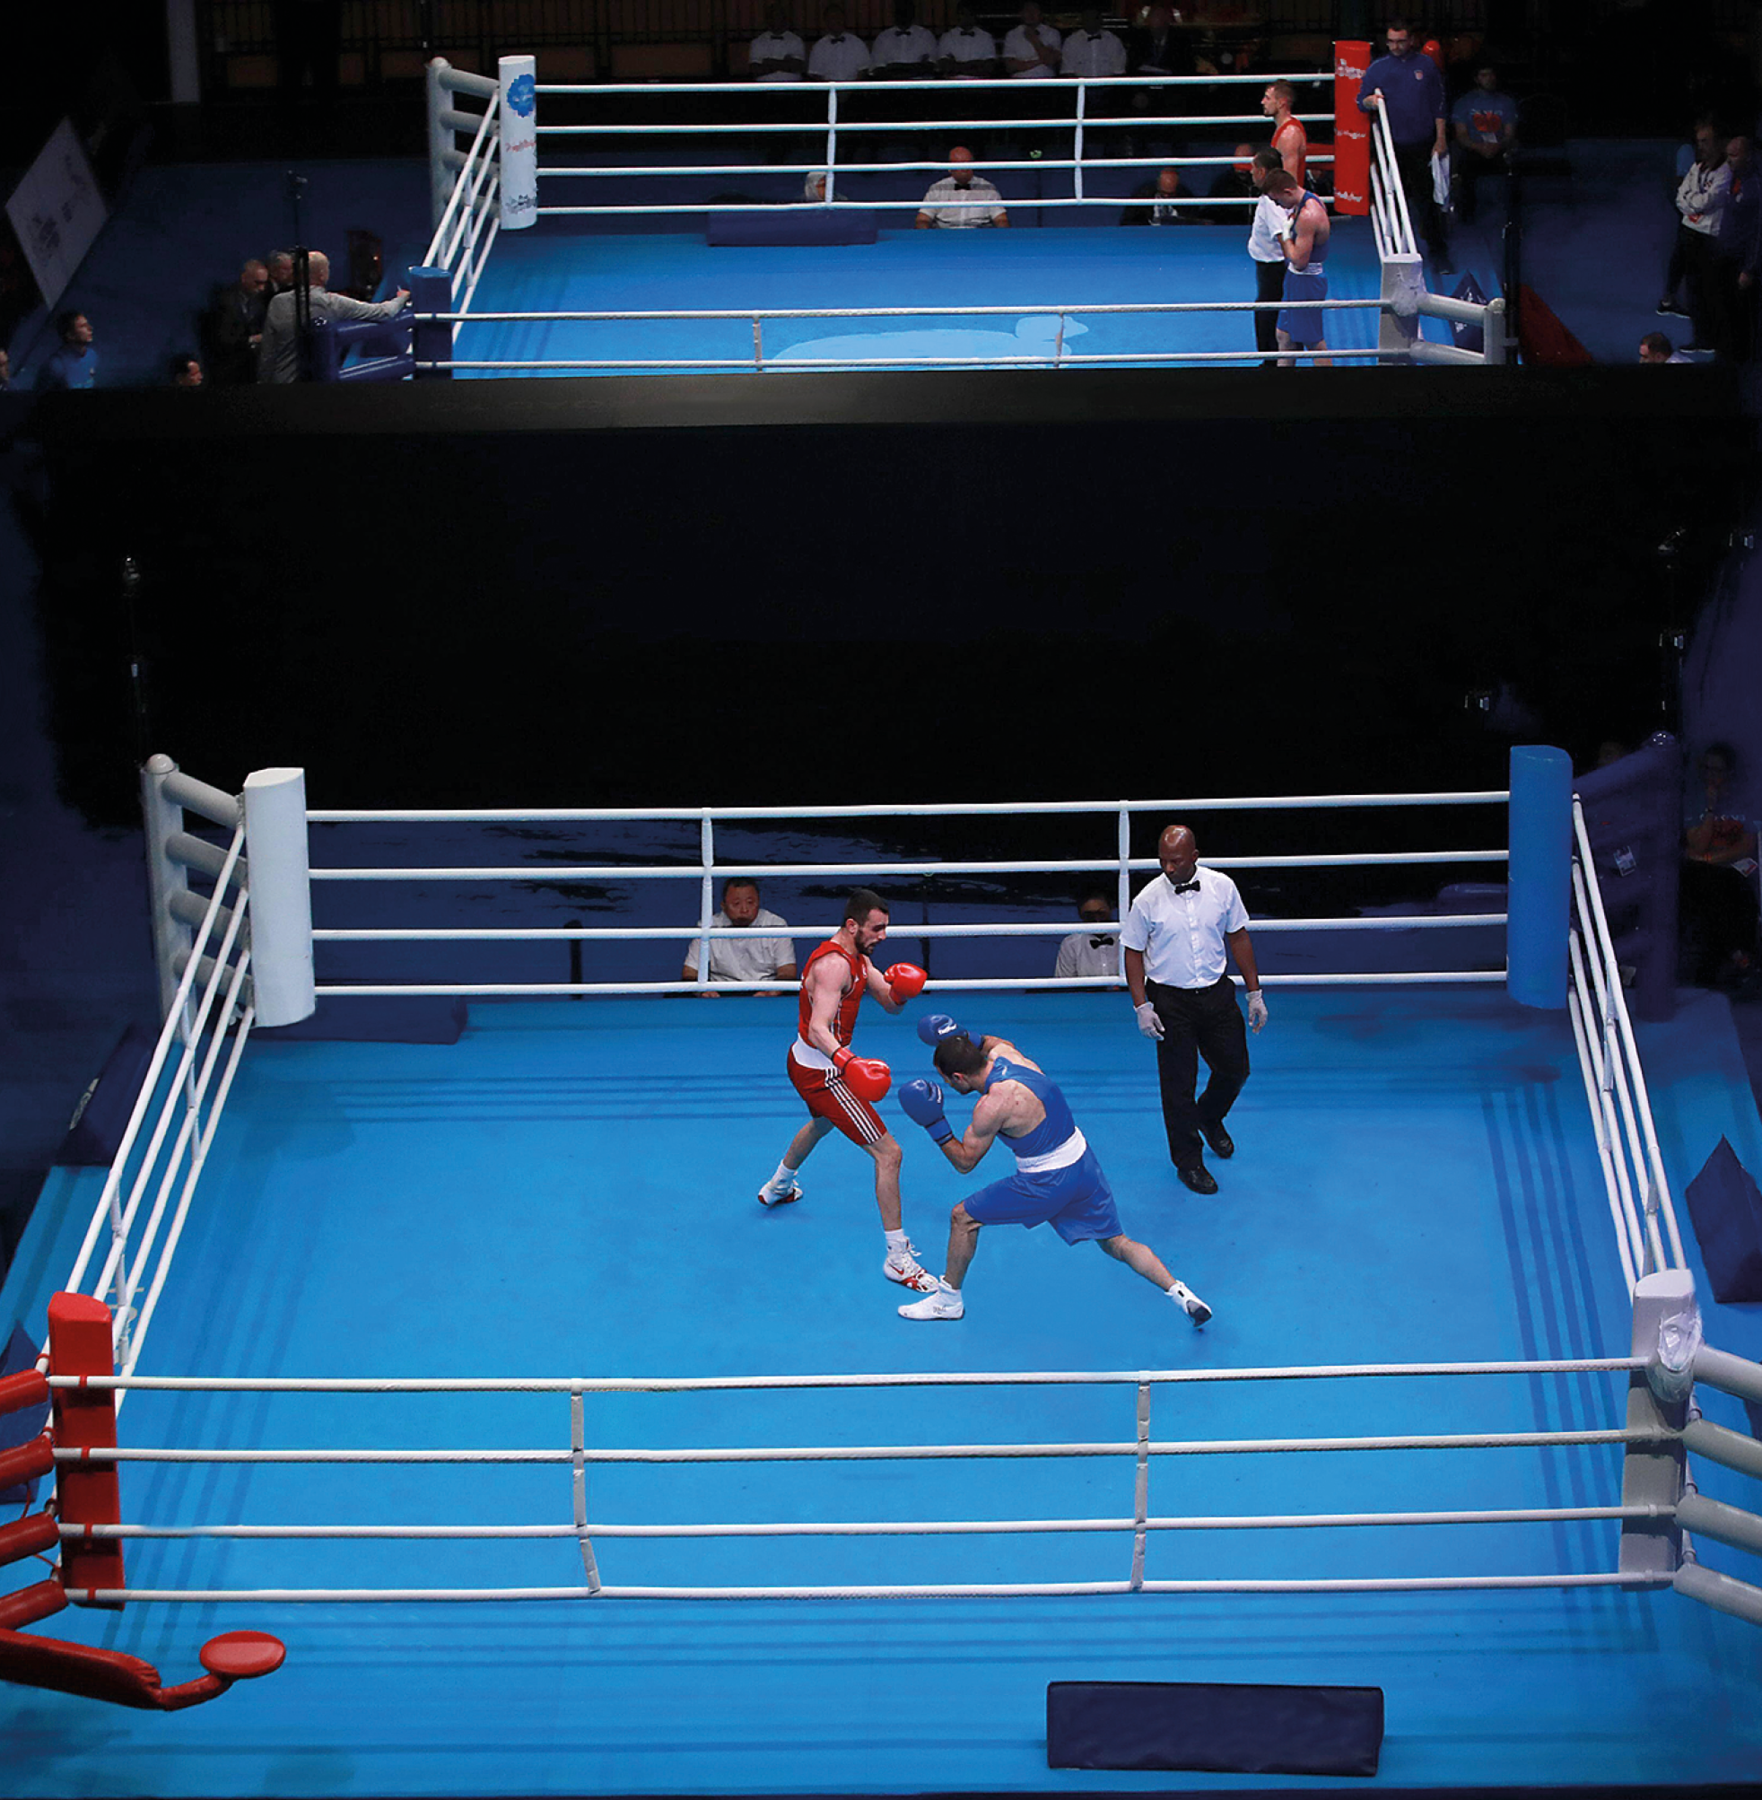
{"x": 897, "y": 1244}
{"x": 782, "y": 1181}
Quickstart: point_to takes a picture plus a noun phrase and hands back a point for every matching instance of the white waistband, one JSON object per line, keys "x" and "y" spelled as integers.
{"x": 1070, "y": 1151}
{"x": 801, "y": 1051}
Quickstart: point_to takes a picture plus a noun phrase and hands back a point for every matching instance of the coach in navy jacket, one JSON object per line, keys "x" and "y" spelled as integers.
{"x": 1407, "y": 85}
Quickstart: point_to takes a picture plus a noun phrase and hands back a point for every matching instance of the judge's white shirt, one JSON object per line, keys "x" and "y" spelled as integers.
{"x": 841, "y": 58}
{"x": 1019, "y": 46}
{"x": 775, "y": 46}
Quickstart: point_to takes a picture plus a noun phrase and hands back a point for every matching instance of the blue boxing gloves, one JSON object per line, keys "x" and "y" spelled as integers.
{"x": 934, "y": 1027}
{"x": 922, "y": 1103}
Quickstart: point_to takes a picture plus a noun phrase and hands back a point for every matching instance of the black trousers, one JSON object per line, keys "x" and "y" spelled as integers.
{"x": 1413, "y": 163}
{"x": 1269, "y": 284}
{"x": 1197, "y": 1022}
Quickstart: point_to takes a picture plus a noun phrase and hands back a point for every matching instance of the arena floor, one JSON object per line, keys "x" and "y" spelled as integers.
{"x": 568, "y": 1191}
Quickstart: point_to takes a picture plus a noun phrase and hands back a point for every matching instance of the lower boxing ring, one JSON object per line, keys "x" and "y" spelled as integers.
{"x": 530, "y": 1198}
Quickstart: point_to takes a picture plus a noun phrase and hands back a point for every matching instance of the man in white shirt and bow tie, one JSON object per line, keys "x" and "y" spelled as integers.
{"x": 840, "y": 55}
{"x": 1176, "y": 938}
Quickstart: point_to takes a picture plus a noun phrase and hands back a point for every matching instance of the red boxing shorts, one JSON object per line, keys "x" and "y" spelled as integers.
{"x": 828, "y": 1096}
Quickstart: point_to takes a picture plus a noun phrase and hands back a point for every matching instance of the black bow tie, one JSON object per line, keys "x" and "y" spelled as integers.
{"x": 1102, "y": 942}
{"x": 1185, "y": 887}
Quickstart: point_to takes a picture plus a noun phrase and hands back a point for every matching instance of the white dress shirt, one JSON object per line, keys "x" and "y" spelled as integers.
{"x": 1079, "y": 954}
{"x": 752, "y": 958}
{"x": 1271, "y": 222}
{"x": 964, "y": 48}
{"x": 1100, "y": 54}
{"x": 978, "y": 203}
{"x": 893, "y": 47}
{"x": 1182, "y": 936}
{"x": 1021, "y": 46}
{"x": 841, "y": 58}
{"x": 775, "y": 46}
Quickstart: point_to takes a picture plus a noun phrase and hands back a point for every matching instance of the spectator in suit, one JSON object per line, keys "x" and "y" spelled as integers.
{"x": 238, "y": 326}
{"x": 280, "y": 264}
{"x": 1162, "y": 197}
{"x": 1157, "y": 48}
{"x": 1236, "y": 182}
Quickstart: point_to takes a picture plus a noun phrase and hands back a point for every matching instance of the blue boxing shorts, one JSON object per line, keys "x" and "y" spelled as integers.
{"x": 1075, "y": 1201}
{"x": 1306, "y": 325}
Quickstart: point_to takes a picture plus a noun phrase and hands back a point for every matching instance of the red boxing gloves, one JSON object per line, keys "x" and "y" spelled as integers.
{"x": 905, "y": 981}
{"x": 868, "y": 1077}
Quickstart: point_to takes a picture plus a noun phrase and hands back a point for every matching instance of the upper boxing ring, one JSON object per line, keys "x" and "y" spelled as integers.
{"x": 494, "y": 183}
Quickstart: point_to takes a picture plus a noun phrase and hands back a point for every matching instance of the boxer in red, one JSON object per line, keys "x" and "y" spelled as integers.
{"x": 840, "y": 1088}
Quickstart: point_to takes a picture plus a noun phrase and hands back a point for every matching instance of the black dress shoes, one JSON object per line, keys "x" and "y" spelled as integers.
{"x": 1196, "y": 1176}
{"x": 1222, "y": 1144}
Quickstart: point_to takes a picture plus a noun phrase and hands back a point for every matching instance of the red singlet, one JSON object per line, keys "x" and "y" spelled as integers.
{"x": 1301, "y": 146}
{"x": 845, "y": 1021}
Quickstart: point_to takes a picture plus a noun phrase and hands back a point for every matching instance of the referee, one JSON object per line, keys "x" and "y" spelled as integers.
{"x": 1175, "y": 940}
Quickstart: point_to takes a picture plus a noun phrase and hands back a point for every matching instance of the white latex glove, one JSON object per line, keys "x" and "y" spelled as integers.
{"x": 1148, "y": 1022}
{"x": 1256, "y": 1010}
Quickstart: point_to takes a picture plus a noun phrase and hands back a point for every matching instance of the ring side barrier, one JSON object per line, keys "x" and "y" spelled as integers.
{"x": 1141, "y": 1450}
{"x": 478, "y": 202}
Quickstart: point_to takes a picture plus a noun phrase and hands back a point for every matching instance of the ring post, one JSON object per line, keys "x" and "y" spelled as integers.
{"x": 162, "y": 817}
{"x": 281, "y": 895}
{"x": 1653, "y": 1473}
{"x": 1541, "y": 875}
{"x": 431, "y": 340}
{"x": 86, "y": 1493}
{"x": 519, "y": 128}
{"x": 1351, "y": 130}
{"x": 440, "y": 141}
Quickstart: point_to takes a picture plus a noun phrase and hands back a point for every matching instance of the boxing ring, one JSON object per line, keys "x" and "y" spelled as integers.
{"x": 515, "y": 282}
{"x": 436, "y": 1338}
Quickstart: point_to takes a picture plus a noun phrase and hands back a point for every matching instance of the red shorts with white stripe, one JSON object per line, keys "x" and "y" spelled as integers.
{"x": 828, "y": 1096}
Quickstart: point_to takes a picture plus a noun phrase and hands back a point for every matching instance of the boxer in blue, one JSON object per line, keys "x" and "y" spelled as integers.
{"x": 1057, "y": 1180}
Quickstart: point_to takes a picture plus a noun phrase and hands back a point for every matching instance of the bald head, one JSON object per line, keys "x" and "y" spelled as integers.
{"x": 1177, "y": 852}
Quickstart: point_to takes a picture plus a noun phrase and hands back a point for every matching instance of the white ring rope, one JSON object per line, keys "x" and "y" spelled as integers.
{"x": 795, "y": 1453}
{"x": 883, "y": 1527}
{"x": 580, "y": 933}
{"x": 698, "y": 1384}
{"x": 1388, "y": 1584}
{"x": 531, "y": 815}
{"x": 1025, "y": 866}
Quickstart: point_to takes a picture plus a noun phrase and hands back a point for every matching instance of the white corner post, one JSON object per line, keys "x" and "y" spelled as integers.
{"x": 281, "y": 895}
{"x": 519, "y": 125}
{"x": 440, "y": 141}
{"x": 161, "y": 817}
{"x": 1666, "y": 1333}
{"x": 1403, "y": 283}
